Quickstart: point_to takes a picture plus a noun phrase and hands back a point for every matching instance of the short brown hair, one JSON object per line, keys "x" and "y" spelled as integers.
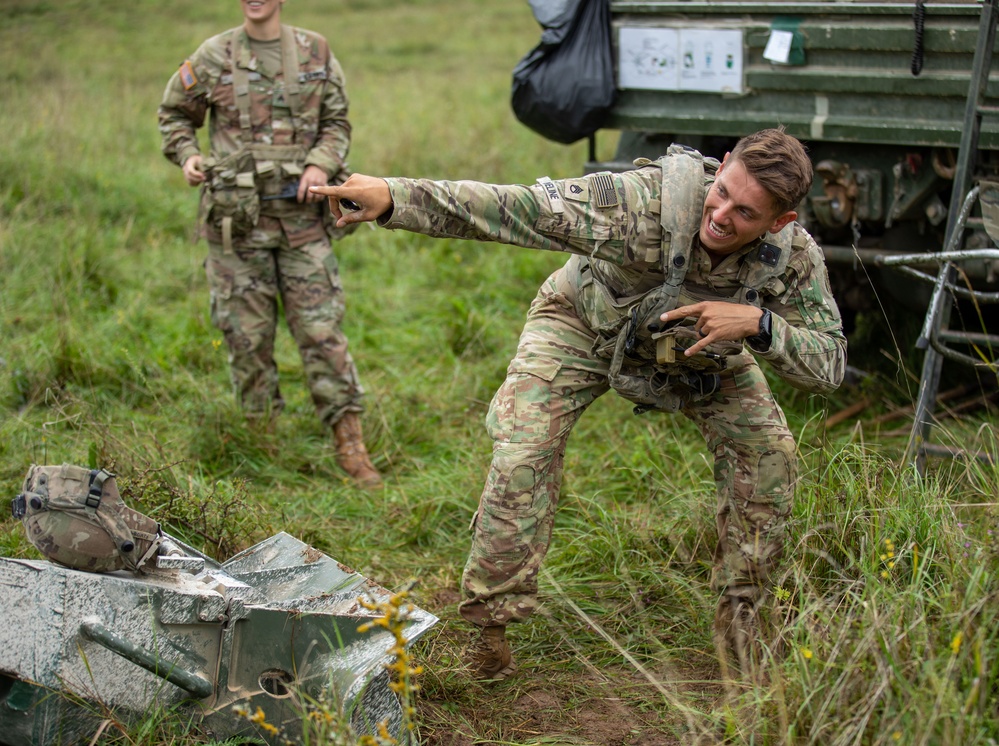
{"x": 779, "y": 163}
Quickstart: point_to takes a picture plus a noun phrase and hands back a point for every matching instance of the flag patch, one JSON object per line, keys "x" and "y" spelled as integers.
{"x": 606, "y": 194}
{"x": 187, "y": 76}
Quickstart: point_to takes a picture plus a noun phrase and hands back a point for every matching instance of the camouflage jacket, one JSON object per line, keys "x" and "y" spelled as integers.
{"x": 204, "y": 83}
{"x": 614, "y": 219}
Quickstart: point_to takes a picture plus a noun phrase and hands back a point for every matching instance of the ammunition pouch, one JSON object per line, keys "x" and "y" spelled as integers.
{"x": 275, "y": 168}
{"x": 660, "y": 391}
{"x": 230, "y": 201}
{"x": 673, "y": 381}
{"x": 672, "y": 342}
{"x": 652, "y": 387}
{"x": 253, "y": 182}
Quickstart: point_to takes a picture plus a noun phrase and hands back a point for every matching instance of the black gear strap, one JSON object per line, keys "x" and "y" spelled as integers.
{"x": 96, "y": 489}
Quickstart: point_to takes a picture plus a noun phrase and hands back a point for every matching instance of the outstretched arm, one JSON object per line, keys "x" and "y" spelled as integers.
{"x": 607, "y": 217}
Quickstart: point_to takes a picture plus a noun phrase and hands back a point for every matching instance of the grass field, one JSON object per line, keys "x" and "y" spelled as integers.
{"x": 888, "y": 605}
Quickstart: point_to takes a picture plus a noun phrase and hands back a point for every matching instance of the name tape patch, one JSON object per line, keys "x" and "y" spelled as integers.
{"x": 554, "y": 198}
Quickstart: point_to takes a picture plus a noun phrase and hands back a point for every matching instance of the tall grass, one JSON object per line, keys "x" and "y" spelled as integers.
{"x": 107, "y": 357}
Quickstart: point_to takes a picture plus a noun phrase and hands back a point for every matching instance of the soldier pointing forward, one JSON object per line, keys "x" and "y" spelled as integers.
{"x": 683, "y": 274}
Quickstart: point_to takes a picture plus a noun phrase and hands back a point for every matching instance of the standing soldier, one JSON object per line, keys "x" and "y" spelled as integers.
{"x": 278, "y": 126}
{"x": 683, "y": 273}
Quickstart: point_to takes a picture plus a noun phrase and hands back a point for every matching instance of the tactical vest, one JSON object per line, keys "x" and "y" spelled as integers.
{"x": 240, "y": 184}
{"x": 629, "y": 338}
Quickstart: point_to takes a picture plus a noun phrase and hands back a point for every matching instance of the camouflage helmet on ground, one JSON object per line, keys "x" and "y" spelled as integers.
{"x": 76, "y": 517}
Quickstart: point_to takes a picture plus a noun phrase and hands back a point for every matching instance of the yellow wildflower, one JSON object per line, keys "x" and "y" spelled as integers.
{"x": 260, "y": 718}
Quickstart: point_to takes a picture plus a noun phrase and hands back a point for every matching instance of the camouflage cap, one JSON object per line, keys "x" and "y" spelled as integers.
{"x": 76, "y": 517}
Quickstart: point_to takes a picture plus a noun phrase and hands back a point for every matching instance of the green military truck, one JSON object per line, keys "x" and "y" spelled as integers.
{"x": 878, "y": 91}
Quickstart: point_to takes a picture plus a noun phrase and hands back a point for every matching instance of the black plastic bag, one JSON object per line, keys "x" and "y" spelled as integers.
{"x": 564, "y": 87}
{"x": 555, "y": 17}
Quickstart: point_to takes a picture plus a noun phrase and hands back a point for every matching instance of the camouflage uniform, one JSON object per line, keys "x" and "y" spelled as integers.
{"x": 287, "y": 252}
{"x": 612, "y": 224}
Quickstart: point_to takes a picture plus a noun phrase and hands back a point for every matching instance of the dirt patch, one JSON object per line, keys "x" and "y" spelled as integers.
{"x": 445, "y": 598}
{"x": 527, "y": 710}
{"x": 557, "y": 697}
{"x": 606, "y": 721}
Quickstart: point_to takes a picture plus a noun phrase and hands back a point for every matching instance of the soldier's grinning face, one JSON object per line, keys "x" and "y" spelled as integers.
{"x": 737, "y": 210}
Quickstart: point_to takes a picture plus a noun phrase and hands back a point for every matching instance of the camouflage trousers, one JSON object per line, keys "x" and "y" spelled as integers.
{"x": 246, "y": 285}
{"x": 551, "y": 381}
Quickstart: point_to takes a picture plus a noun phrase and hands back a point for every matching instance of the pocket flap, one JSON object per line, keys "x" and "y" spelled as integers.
{"x": 245, "y": 180}
{"x": 543, "y": 368}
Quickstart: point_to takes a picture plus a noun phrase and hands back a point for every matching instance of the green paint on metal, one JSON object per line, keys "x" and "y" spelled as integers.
{"x": 810, "y": 8}
{"x": 796, "y": 55}
{"x": 21, "y": 696}
{"x": 851, "y": 80}
{"x": 891, "y": 82}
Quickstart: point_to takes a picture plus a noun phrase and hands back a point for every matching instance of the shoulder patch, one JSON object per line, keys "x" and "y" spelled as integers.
{"x": 187, "y": 76}
{"x": 604, "y": 192}
{"x": 577, "y": 190}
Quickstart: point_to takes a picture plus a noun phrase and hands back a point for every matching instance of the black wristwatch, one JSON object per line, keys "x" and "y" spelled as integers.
{"x": 762, "y": 340}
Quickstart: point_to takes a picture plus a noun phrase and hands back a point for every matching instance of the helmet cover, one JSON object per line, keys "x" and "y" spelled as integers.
{"x": 76, "y": 517}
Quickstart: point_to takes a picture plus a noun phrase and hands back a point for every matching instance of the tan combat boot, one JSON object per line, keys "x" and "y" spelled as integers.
{"x": 488, "y": 655}
{"x": 738, "y": 644}
{"x": 351, "y": 454}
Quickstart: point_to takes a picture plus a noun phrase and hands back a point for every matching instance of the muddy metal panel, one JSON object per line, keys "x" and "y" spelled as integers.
{"x": 277, "y": 621}
{"x": 850, "y": 80}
